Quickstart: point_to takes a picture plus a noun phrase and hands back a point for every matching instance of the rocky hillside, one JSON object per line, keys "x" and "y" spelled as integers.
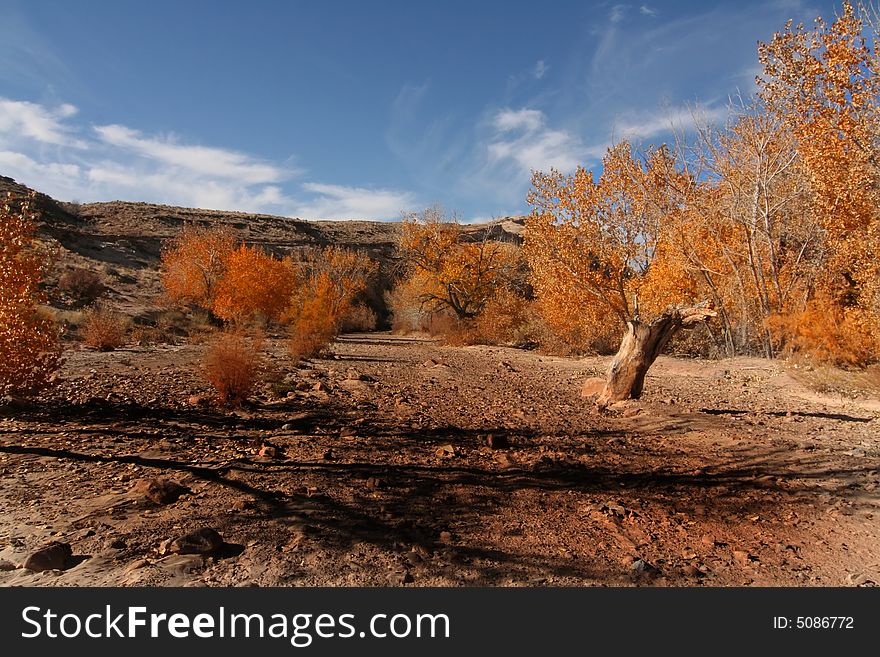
{"x": 123, "y": 240}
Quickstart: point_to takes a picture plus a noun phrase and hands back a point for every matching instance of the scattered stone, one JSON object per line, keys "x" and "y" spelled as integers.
{"x": 198, "y": 400}
{"x": 7, "y": 565}
{"x": 320, "y": 387}
{"x": 859, "y": 579}
{"x": 614, "y": 508}
{"x": 374, "y": 483}
{"x": 134, "y": 565}
{"x": 118, "y": 544}
{"x": 328, "y": 455}
{"x": 400, "y": 578}
{"x": 54, "y": 556}
{"x": 159, "y": 491}
{"x": 497, "y": 441}
{"x": 268, "y": 452}
{"x": 287, "y": 427}
{"x": 430, "y": 363}
{"x": 688, "y": 554}
{"x": 240, "y": 505}
{"x": 592, "y": 387}
{"x": 347, "y": 432}
{"x": 445, "y": 537}
{"x": 642, "y": 567}
{"x": 690, "y": 570}
{"x": 743, "y": 558}
{"x": 446, "y": 451}
{"x": 200, "y": 541}
{"x": 88, "y": 532}
{"x": 857, "y": 452}
{"x": 505, "y": 460}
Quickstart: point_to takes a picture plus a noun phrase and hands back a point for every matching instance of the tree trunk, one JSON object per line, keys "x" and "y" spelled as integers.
{"x": 640, "y": 347}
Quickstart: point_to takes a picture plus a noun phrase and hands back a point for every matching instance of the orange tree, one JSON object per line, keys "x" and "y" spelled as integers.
{"x": 29, "y": 347}
{"x": 328, "y": 283}
{"x": 254, "y": 285}
{"x": 447, "y": 269}
{"x": 824, "y": 85}
{"x": 592, "y": 242}
{"x": 194, "y": 262}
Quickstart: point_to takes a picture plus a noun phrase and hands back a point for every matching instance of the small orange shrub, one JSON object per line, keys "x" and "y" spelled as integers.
{"x": 103, "y": 329}
{"x": 232, "y": 365}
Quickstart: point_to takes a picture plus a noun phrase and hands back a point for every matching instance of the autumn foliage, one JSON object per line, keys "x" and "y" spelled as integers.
{"x": 329, "y": 282}
{"x": 29, "y": 348}
{"x": 312, "y": 292}
{"x": 232, "y": 366}
{"x": 254, "y": 285}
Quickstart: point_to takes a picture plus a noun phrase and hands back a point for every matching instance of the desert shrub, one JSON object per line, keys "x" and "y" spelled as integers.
{"x": 82, "y": 285}
{"x": 826, "y": 332}
{"x": 232, "y": 366}
{"x": 29, "y": 345}
{"x": 508, "y": 318}
{"x": 359, "y": 319}
{"x": 104, "y": 329}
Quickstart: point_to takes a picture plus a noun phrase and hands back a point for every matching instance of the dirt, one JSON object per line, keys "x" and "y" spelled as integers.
{"x": 377, "y": 469}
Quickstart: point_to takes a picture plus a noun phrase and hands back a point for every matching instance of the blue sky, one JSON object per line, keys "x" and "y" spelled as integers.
{"x": 331, "y": 110}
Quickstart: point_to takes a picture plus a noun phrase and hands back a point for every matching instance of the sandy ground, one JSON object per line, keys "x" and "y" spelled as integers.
{"x": 726, "y": 473}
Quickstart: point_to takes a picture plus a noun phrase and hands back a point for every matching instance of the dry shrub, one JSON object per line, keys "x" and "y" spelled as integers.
{"x": 359, "y": 319}
{"x": 509, "y": 319}
{"x": 577, "y": 326}
{"x": 82, "y": 285}
{"x": 104, "y": 329}
{"x": 825, "y": 332}
{"x": 232, "y": 365}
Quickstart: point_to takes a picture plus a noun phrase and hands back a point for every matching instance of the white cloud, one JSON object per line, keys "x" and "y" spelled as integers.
{"x": 533, "y": 145}
{"x": 341, "y": 202}
{"x": 617, "y": 13}
{"x": 679, "y": 119}
{"x": 540, "y": 69}
{"x": 29, "y": 120}
{"x": 508, "y": 120}
{"x": 645, "y": 10}
{"x": 197, "y": 159}
{"x": 116, "y": 162}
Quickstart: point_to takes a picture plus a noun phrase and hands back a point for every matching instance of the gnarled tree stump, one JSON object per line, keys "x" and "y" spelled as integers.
{"x": 640, "y": 347}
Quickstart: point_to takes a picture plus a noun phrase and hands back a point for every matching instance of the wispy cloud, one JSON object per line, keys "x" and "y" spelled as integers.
{"x": 617, "y": 13}
{"x": 341, "y": 202}
{"x": 197, "y": 159}
{"x": 116, "y": 162}
{"x": 667, "y": 121}
{"x": 540, "y": 69}
{"x": 32, "y": 121}
{"x": 645, "y": 10}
